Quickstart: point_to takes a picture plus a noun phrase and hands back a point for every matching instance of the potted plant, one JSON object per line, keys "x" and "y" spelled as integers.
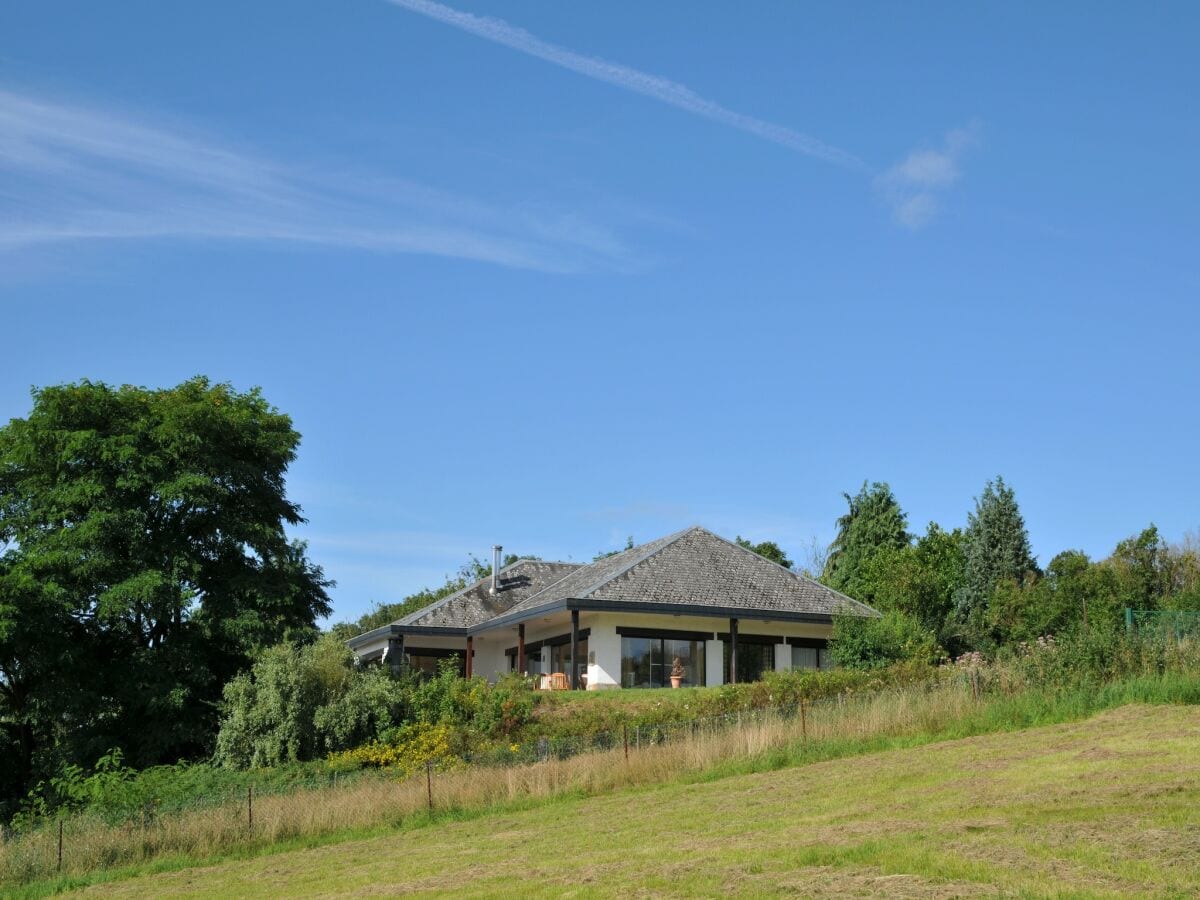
{"x": 677, "y": 673}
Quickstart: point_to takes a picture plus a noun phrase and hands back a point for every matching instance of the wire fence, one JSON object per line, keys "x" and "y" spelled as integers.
{"x": 210, "y": 823}
{"x": 1170, "y": 624}
{"x": 326, "y": 803}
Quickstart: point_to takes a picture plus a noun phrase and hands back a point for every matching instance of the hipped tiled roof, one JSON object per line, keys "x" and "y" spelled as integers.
{"x": 697, "y": 568}
{"x": 475, "y": 604}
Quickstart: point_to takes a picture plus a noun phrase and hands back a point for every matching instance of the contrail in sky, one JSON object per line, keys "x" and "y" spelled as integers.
{"x": 662, "y": 89}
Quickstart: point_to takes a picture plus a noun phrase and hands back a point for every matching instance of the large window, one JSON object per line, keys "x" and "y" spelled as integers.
{"x": 646, "y": 662}
{"x": 533, "y": 660}
{"x": 812, "y": 657}
{"x": 427, "y": 662}
{"x": 753, "y": 659}
{"x": 560, "y": 658}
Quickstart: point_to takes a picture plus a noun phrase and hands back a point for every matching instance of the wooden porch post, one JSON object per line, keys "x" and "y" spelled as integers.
{"x": 574, "y": 649}
{"x": 470, "y": 653}
{"x": 733, "y": 651}
{"x": 521, "y": 648}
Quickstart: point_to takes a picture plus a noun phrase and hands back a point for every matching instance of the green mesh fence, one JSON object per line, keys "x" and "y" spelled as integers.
{"x": 1165, "y": 623}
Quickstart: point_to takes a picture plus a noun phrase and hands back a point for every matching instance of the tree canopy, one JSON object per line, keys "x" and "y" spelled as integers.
{"x": 874, "y": 523}
{"x": 768, "y": 549}
{"x": 145, "y": 560}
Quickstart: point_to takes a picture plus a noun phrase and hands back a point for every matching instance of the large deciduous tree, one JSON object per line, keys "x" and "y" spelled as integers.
{"x": 920, "y": 579}
{"x": 145, "y": 559}
{"x": 873, "y": 524}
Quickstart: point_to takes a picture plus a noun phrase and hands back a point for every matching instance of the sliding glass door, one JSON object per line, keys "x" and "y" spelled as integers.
{"x": 753, "y": 659}
{"x": 647, "y": 662}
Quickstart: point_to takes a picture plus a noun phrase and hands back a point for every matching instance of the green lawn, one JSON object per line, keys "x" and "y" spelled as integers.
{"x": 1108, "y": 806}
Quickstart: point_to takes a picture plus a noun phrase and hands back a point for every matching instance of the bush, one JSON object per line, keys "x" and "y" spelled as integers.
{"x": 300, "y": 703}
{"x": 479, "y": 709}
{"x": 1096, "y": 656}
{"x": 405, "y": 750}
{"x": 860, "y": 643}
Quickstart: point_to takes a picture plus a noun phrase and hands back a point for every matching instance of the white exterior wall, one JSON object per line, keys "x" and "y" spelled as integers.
{"x": 604, "y": 654}
{"x": 714, "y": 663}
{"x": 490, "y": 661}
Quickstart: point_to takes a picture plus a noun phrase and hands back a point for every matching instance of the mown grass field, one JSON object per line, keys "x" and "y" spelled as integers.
{"x": 1103, "y": 807}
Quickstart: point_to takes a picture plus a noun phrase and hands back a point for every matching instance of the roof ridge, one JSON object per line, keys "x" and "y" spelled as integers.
{"x": 663, "y": 544}
{"x": 531, "y": 601}
{"x": 438, "y": 604}
{"x": 800, "y": 576}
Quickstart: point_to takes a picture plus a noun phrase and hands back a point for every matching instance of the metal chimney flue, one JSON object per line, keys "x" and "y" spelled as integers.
{"x": 496, "y": 548}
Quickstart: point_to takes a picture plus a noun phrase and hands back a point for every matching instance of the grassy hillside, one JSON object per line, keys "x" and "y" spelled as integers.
{"x": 1110, "y": 805}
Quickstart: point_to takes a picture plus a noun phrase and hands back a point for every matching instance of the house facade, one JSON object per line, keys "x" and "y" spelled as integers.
{"x": 692, "y": 602}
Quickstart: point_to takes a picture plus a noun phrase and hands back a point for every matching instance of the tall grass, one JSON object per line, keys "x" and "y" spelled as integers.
{"x": 822, "y": 730}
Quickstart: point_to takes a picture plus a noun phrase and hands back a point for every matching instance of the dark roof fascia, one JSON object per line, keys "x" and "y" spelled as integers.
{"x": 383, "y": 631}
{"x": 394, "y": 630}
{"x": 642, "y": 606}
{"x": 697, "y": 609}
{"x": 431, "y": 630}
{"x": 513, "y": 618}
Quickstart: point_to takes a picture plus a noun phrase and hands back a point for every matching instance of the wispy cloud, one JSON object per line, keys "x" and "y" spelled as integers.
{"x": 661, "y": 89}
{"x": 75, "y": 173}
{"x": 913, "y": 187}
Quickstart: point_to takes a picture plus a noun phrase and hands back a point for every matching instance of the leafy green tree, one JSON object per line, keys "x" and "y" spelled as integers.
{"x": 919, "y": 580}
{"x": 1185, "y": 573}
{"x": 873, "y": 524}
{"x": 997, "y": 551}
{"x": 146, "y": 561}
{"x": 767, "y": 549}
{"x": 1141, "y": 565}
{"x": 1074, "y": 595}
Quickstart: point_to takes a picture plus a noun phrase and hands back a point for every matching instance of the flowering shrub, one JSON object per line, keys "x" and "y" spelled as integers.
{"x": 406, "y": 750}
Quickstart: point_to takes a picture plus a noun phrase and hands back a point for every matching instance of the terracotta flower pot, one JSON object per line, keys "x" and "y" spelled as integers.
{"x": 676, "y": 680}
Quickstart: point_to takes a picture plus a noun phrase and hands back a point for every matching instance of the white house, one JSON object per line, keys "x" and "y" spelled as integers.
{"x": 724, "y": 612}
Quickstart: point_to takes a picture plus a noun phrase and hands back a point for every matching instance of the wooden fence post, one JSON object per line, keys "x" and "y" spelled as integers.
{"x": 803, "y": 725}
{"x": 60, "y": 830}
{"x": 429, "y": 781}
{"x": 625, "y": 730}
{"x": 249, "y": 806}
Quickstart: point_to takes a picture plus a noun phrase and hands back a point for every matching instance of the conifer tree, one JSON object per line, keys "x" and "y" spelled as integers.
{"x": 997, "y": 551}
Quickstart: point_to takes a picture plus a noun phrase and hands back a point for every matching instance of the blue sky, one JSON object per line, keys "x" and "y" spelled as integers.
{"x": 552, "y": 274}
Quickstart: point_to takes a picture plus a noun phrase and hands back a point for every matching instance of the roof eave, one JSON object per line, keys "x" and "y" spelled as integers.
{"x": 394, "y": 630}
{"x": 690, "y": 609}
{"x": 368, "y": 637}
{"x": 514, "y": 618}
{"x": 646, "y": 606}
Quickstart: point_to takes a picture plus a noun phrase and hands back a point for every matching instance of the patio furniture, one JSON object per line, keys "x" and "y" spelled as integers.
{"x": 559, "y": 682}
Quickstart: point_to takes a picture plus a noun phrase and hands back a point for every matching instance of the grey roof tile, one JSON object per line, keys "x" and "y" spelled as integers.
{"x": 475, "y": 604}
{"x": 695, "y": 567}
